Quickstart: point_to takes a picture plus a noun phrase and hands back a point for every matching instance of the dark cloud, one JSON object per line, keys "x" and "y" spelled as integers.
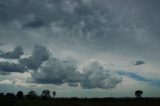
{"x": 125, "y": 26}
{"x": 39, "y": 55}
{"x": 15, "y": 54}
{"x": 5, "y": 15}
{"x": 73, "y": 84}
{"x": 1, "y": 44}
{"x": 140, "y": 62}
{"x": 57, "y": 72}
{"x": 11, "y": 67}
{"x": 95, "y": 76}
{"x": 36, "y": 23}
{"x": 60, "y": 72}
{"x": 1, "y": 51}
{"x": 2, "y": 6}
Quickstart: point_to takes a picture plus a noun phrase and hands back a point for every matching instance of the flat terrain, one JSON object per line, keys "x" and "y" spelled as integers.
{"x": 81, "y": 102}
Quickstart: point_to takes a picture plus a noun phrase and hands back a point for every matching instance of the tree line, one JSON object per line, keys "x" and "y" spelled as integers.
{"x": 46, "y": 94}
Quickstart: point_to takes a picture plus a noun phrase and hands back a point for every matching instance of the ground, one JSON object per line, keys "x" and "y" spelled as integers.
{"x": 81, "y": 102}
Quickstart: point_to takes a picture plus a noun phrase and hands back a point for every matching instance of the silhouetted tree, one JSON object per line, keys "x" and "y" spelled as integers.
{"x": 45, "y": 94}
{"x": 54, "y": 93}
{"x": 10, "y": 95}
{"x": 32, "y": 94}
{"x": 20, "y": 94}
{"x": 1, "y": 94}
{"x": 138, "y": 93}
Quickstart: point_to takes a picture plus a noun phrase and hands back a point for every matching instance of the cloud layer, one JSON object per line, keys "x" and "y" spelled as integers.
{"x": 140, "y": 62}
{"x": 39, "y": 55}
{"x": 112, "y": 31}
{"x": 49, "y": 70}
{"x": 12, "y": 67}
{"x": 119, "y": 26}
{"x": 95, "y": 76}
{"x": 60, "y": 72}
{"x": 15, "y": 54}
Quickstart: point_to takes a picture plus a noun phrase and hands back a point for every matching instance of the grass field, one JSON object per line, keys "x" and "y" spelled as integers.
{"x": 81, "y": 102}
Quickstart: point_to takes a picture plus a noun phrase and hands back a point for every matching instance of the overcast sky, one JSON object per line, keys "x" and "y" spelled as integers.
{"x": 82, "y": 48}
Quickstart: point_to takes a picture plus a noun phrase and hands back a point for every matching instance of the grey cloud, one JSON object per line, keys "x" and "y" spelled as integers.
{"x": 1, "y": 44}
{"x": 2, "y": 6}
{"x": 1, "y": 51}
{"x": 59, "y": 72}
{"x": 39, "y": 55}
{"x": 140, "y": 62}
{"x": 5, "y": 15}
{"x": 11, "y": 67}
{"x": 15, "y": 54}
{"x": 102, "y": 25}
{"x": 4, "y": 73}
{"x": 36, "y": 23}
{"x": 73, "y": 84}
{"x": 95, "y": 76}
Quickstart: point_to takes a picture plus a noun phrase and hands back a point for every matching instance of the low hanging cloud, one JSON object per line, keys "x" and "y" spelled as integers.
{"x": 11, "y": 67}
{"x": 57, "y": 72}
{"x": 48, "y": 70}
{"x": 4, "y": 73}
{"x": 60, "y": 72}
{"x": 1, "y": 44}
{"x": 39, "y": 55}
{"x": 15, "y": 54}
{"x": 19, "y": 83}
{"x": 36, "y": 23}
{"x": 95, "y": 76}
{"x": 140, "y": 62}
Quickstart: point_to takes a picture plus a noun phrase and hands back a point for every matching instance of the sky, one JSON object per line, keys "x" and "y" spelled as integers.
{"x": 80, "y": 48}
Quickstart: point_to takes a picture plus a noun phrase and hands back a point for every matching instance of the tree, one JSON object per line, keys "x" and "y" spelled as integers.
{"x": 32, "y": 94}
{"x": 45, "y": 94}
{"x": 54, "y": 93}
{"x": 10, "y": 95}
{"x": 20, "y": 94}
{"x": 1, "y": 94}
{"x": 138, "y": 93}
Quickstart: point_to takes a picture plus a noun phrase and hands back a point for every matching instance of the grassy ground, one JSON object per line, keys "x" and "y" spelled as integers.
{"x": 81, "y": 102}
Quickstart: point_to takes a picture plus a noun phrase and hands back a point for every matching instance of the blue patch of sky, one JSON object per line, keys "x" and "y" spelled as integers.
{"x": 138, "y": 77}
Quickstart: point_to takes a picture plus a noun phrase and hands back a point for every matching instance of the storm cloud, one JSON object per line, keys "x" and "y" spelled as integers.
{"x": 116, "y": 26}
{"x": 15, "y": 54}
{"x": 111, "y": 31}
{"x": 6, "y": 67}
{"x": 57, "y": 72}
{"x": 140, "y": 62}
{"x": 36, "y": 23}
{"x": 95, "y": 76}
{"x": 61, "y": 72}
{"x": 39, "y": 55}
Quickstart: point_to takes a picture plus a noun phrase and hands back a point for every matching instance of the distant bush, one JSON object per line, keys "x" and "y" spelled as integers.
{"x": 45, "y": 94}
{"x": 20, "y": 95}
{"x": 32, "y": 95}
{"x": 138, "y": 93}
{"x": 1, "y": 95}
{"x": 54, "y": 93}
